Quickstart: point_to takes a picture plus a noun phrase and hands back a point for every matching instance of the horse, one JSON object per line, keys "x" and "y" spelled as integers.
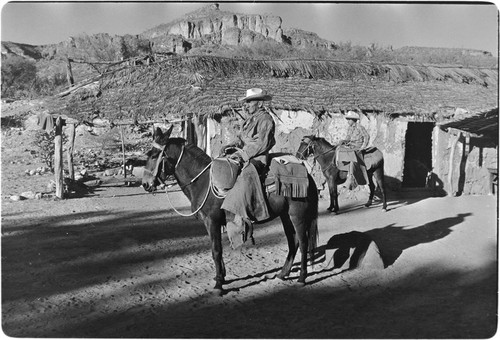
{"x": 325, "y": 154}
{"x": 189, "y": 165}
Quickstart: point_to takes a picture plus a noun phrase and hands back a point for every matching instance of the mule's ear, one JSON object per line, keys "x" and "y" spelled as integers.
{"x": 157, "y": 133}
{"x": 169, "y": 131}
{"x": 306, "y": 139}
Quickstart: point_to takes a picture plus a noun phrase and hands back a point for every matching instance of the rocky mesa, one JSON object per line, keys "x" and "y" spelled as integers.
{"x": 214, "y": 26}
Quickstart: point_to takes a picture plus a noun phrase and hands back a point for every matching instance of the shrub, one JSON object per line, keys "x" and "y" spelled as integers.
{"x": 44, "y": 147}
{"x": 18, "y": 75}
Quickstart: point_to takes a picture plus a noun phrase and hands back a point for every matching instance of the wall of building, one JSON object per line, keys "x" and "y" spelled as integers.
{"x": 470, "y": 171}
{"x": 291, "y": 126}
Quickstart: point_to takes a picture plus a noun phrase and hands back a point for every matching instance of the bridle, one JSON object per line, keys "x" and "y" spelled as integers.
{"x": 162, "y": 161}
{"x": 311, "y": 145}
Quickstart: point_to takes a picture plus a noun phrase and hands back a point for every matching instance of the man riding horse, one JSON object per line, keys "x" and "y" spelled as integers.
{"x": 246, "y": 199}
{"x": 349, "y": 151}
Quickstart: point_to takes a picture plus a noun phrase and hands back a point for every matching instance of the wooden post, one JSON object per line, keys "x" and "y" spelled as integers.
{"x": 208, "y": 146}
{"x": 191, "y": 136}
{"x": 184, "y": 129}
{"x": 467, "y": 144}
{"x": 123, "y": 153}
{"x": 69, "y": 72}
{"x": 71, "y": 146}
{"x": 58, "y": 159}
{"x": 199, "y": 129}
{"x": 457, "y": 136}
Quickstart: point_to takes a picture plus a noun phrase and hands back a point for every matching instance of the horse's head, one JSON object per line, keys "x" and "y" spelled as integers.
{"x": 306, "y": 147}
{"x": 162, "y": 160}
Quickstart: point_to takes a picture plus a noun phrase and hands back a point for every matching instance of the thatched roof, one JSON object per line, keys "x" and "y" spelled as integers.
{"x": 485, "y": 123}
{"x": 207, "y": 85}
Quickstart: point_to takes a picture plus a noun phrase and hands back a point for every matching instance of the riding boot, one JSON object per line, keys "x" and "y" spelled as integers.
{"x": 350, "y": 182}
{"x": 239, "y": 230}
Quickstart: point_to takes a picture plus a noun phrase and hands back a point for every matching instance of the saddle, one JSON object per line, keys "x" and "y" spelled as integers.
{"x": 244, "y": 190}
{"x": 344, "y": 156}
{"x": 224, "y": 172}
{"x": 287, "y": 175}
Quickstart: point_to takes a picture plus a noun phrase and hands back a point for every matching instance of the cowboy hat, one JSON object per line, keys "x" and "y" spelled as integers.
{"x": 255, "y": 94}
{"x": 351, "y": 115}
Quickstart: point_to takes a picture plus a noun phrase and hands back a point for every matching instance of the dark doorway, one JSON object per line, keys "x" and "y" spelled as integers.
{"x": 418, "y": 154}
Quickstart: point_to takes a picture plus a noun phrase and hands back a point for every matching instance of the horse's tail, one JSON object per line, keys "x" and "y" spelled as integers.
{"x": 313, "y": 234}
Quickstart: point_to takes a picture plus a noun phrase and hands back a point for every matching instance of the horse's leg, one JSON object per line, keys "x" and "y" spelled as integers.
{"x": 292, "y": 245}
{"x": 298, "y": 220}
{"x": 335, "y": 185}
{"x": 336, "y": 197}
{"x": 216, "y": 242}
{"x": 332, "y": 188}
{"x": 371, "y": 185}
{"x": 379, "y": 177}
{"x": 303, "y": 243}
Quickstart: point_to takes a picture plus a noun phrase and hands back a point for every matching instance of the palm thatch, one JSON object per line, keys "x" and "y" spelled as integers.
{"x": 209, "y": 85}
{"x": 481, "y": 124}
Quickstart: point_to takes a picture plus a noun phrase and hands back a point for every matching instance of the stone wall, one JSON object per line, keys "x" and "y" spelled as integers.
{"x": 470, "y": 171}
{"x": 386, "y": 134}
{"x": 291, "y": 126}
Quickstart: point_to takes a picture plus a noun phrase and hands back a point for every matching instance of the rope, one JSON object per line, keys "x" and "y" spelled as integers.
{"x": 162, "y": 148}
{"x": 191, "y": 182}
{"x": 199, "y": 208}
{"x": 219, "y": 193}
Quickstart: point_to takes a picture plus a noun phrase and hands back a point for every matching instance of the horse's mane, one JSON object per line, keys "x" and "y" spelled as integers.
{"x": 195, "y": 151}
{"x": 323, "y": 141}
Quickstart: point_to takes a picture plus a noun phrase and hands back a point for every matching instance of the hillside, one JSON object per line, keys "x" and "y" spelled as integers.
{"x": 206, "y": 31}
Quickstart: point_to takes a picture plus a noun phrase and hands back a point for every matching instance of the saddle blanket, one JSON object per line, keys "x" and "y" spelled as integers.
{"x": 290, "y": 175}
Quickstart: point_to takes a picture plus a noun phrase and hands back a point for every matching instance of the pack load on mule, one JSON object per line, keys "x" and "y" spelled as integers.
{"x": 327, "y": 157}
{"x": 288, "y": 191}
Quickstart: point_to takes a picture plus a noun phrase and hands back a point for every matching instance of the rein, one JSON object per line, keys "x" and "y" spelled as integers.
{"x": 324, "y": 153}
{"x": 161, "y": 158}
{"x": 310, "y": 145}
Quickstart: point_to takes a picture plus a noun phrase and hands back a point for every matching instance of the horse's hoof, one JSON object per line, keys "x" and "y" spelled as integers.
{"x": 281, "y": 277}
{"x": 218, "y": 290}
{"x": 300, "y": 283}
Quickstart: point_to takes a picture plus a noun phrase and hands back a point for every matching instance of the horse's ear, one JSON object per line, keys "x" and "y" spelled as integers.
{"x": 306, "y": 139}
{"x": 169, "y": 131}
{"x": 157, "y": 133}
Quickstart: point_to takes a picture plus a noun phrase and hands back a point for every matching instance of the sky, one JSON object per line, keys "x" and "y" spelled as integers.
{"x": 432, "y": 24}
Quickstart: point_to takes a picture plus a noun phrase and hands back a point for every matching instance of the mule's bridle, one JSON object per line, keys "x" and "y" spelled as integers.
{"x": 305, "y": 149}
{"x": 311, "y": 145}
{"x": 161, "y": 159}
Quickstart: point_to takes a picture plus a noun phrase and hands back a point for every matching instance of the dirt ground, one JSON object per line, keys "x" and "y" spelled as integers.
{"x": 119, "y": 262}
